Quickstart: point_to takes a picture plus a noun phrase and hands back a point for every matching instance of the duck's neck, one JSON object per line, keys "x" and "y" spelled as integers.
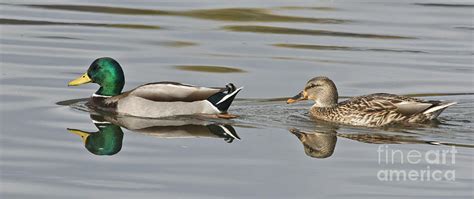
{"x": 110, "y": 89}
{"x": 103, "y": 102}
{"x": 108, "y": 92}
{"x": 319, "y": 104}
{"x": 327, "y": 98}
{"x": 326, "y": 102}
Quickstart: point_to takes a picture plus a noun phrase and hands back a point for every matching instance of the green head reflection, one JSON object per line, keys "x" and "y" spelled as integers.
{"x": 106, "y": 141}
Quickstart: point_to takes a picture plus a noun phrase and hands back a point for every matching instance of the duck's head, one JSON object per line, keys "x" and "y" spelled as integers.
{"x": 320, "y": 89}
{"x": 107, "y": 73}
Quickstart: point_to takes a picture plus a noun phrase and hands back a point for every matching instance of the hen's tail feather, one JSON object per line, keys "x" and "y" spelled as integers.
{"x": 434, "y": 111}
{"x": 439, "y": 107}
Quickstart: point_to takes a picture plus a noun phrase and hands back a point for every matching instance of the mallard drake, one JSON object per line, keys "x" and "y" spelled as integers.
{"x": 153, "y": 100}
{"x": 374, "y": 110}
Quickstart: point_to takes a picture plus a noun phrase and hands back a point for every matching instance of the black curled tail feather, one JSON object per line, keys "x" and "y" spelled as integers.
{"x": 222, "y": 100}
{"x": 230, "y": 88}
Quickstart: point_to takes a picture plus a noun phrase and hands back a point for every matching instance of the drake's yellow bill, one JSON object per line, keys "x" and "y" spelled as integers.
{"x": 83, "y": 79}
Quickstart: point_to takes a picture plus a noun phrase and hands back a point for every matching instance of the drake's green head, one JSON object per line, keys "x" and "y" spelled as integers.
{"x": 106, "y": 72}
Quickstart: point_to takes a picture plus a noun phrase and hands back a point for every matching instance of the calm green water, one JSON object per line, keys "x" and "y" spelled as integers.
{"x": 423, "y": 48}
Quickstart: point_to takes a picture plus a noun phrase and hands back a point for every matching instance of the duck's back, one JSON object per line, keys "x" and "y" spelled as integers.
{"x": 163, "y": 99}
{"x": 381, "y": 109}
{"x": 173, "y": 91}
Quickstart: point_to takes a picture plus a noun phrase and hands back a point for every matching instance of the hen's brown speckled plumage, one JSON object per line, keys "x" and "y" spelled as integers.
{"x": 375, "y": 110}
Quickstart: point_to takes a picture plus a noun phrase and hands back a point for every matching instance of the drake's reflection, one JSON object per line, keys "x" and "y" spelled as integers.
{"x": 108, "y": 139}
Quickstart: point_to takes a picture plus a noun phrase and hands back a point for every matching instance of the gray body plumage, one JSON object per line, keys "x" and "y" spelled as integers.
{"x": 163, "y": 99}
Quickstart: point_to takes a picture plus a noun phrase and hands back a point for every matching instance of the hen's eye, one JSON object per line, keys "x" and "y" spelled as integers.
{"x": 311, "y": 86}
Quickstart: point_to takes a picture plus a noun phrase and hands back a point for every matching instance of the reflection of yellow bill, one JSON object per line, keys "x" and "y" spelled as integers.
{"x": 83, "y": 79}
{"x": 83, "y": 134}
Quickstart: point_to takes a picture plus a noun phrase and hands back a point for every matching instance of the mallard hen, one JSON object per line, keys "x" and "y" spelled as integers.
{"x": 374, "y": 110}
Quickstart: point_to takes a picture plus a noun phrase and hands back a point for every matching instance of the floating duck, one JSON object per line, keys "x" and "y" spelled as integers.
{"x": 153, "y": 100}
{"x": 374, "y": 110}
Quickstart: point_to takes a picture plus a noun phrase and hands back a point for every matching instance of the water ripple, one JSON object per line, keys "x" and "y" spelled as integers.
{"x": 346, "y": 48}
{"x": 5, "y": 21}
{"x": 209, "y": 69}
{"x": 295, "y": 31}
{"x": 446, "y": 5}
{"x": 223, "y": 14}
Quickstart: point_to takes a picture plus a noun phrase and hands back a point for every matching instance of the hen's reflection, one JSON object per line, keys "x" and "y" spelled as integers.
{"x": 108, "y": 139}
{"x": 317, "y": 144}
{"x": 321, "y": 143}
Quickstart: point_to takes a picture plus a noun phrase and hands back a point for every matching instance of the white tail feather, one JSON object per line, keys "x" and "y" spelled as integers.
{"x": 229, "y": 95}
{"x": 440, "y": 107}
